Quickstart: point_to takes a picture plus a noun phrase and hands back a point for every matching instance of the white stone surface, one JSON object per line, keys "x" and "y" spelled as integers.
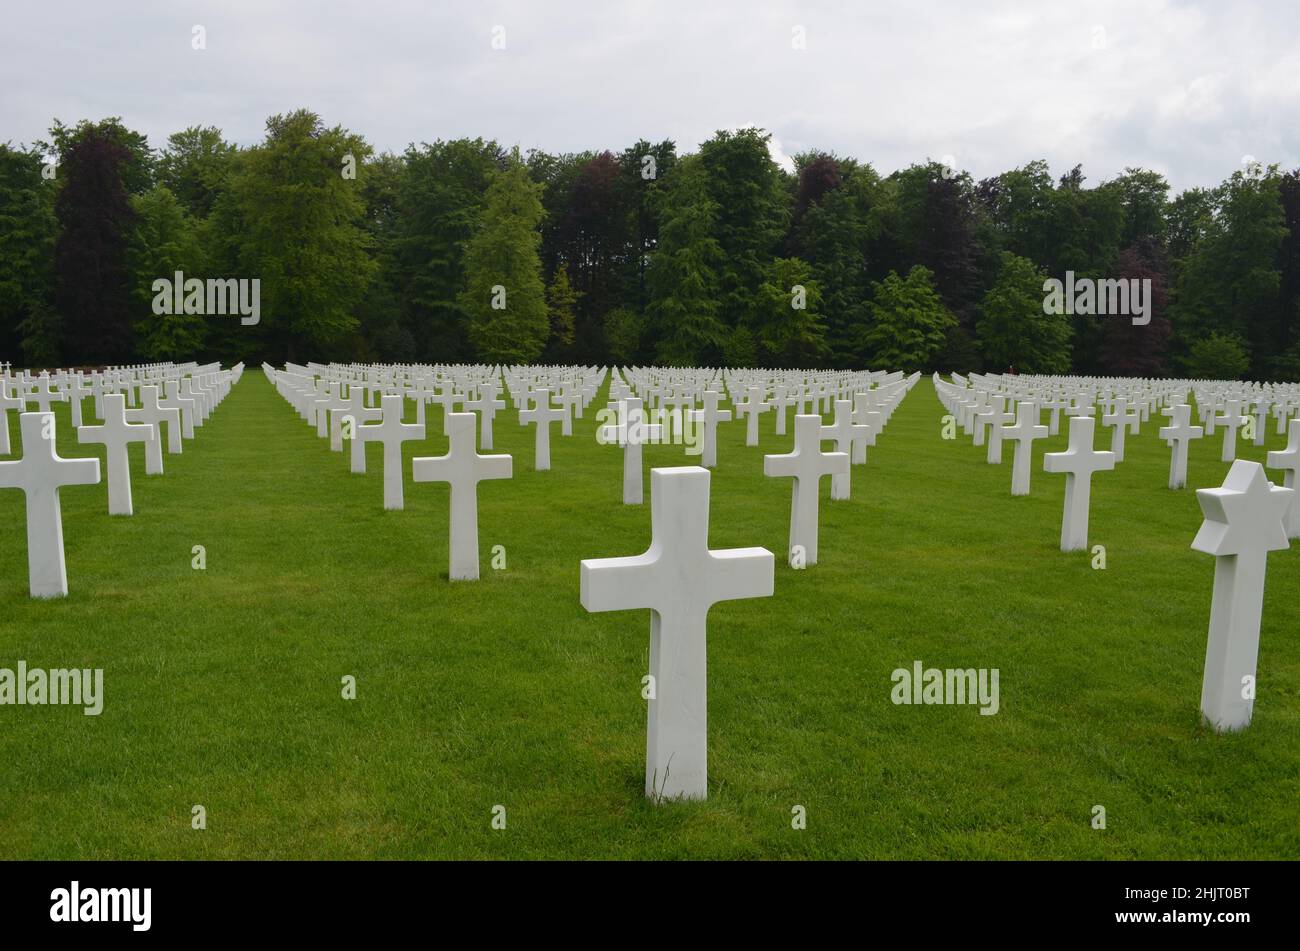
{"x": 1288, "y": 460}
{"x": 353, "y": 417}
{"x": 154, "y": 415}
{"x": 1230, "y": 420}
{"x": 541, "y": 415}
{"x": 707, "y": 419}
{"x": 1078, "y": 462}
{"x": 486, "y": 405}
{"x": 1023, "y": 434}
{"x": 806, "y": 463}
{"x": 116, "y": 434}
{"x": 844, "y": 433}
{"x": 631, "y": 432}
{"x": 9, "y": 399}
{"x": 1243, "y": 523}
{"x": 40, "y": 473}
{"x": 751, "y": 407}
{"x": 678, "y": 578}
{"x": 463, "y": 468}
{"x": 188, "y": 407}
{"x": 1119, "y": 420}
{"x": 391, "y": 432}
{"x": 1179, "y": 434}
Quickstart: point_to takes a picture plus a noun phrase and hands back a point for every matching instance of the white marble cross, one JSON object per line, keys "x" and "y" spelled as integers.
{"x": 486, "y": 405}
{"x": 781, "y": 401}
{"x": 463, "y": 467}
{"x": 570, "y": 399}
{"x": 1243, "y": 523}
{"x": 77, "y": 391}
{"x": 631, "y": 432}
{"x": 1281, "y": 412}
{"x": 1288, "y": 459}
{"x": 1230, "y": 419}
{"x": 1054, "y": 407}
{"x": 678, "y": 579}
{"x": 750, "y": 407}
{"x": 807, "y": 464}
{"x": 154, "y": 415}
{"x": 43, "y": 394}
{"x": 8, "y": 401}
{"x": 202, "y": 403}
{"x": 1207, "y": 405}
{"x": 1260, "y": 412}
{"x": 352, "y": 418}
{"x": 1023, "y": 434}
{"x": 187, "y": 406}
{"x": 1179, "y": 434}
{"x": 421, "y": 393}
{"x": 844, "y": 432}
{"x": 325, "y": 408}
{"x": 40, "y": 473}
{"x": 1119, "y": 420}
{"x": 115, "y": 434}
{"x": 391, "y": 432}
{"x": 1078, "y": 463}
{"x": 541, "y": 415}
{"x": 873, "y": 419}
{"x": 996, "y": 420}
{"x": 981, "y": 413}
{"x": 708, "y": 419}
{"x": 447, "y": 398}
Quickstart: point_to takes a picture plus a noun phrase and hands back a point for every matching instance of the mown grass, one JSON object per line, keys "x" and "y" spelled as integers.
{"x": 223, "y": 686}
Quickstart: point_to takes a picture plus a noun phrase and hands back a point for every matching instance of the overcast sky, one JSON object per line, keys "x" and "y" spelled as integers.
{"x": 1187, "y": 88}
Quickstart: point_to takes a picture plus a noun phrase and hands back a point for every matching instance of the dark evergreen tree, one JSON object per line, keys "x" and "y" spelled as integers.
{"x": 96, "y": 224}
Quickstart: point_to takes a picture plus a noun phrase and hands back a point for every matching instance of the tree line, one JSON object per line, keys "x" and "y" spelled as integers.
{"x": 464, "y": 250}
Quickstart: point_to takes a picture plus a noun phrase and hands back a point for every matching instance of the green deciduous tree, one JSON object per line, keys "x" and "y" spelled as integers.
{"x": 195, "y": 166}
{"x": 1230, "y": 281}
{"x": 752, "y": 212}
{"x": 560, "y": 300}
{"x": 838, "y": 215}
{"x": 28, "y": 322}
{"x": 165, "y": 241}
{"x": 623, "y": 331}
{"x": 504, "y": 295}
{"x": 787, "y": 324}
{"x": 909, "y": 322}
{"x": 1144, "y": 196}
{"x": 385, "y": 334}
{"x": 1013, "y": 330}
{"x": 138, "y": 160}
{"x": 1217, "y": 356}
{"x": 440, "y": 204}
{"x": 642, "y": 170}
{"x": 301, "y": 233}
{"x": 684, "y": 308}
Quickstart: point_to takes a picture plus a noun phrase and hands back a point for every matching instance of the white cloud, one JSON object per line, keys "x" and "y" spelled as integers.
{"x": 1183, "y": 87}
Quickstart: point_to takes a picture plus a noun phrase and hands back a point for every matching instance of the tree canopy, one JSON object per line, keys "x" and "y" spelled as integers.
{"x": 460, "y": 250}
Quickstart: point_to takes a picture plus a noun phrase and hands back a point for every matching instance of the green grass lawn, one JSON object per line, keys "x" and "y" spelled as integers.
{"x": 223, "y": 686}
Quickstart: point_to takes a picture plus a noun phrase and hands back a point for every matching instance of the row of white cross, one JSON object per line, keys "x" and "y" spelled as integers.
{"x": 678, "y": 577}
{"x": 41, "y": 471}
{"x": 1245, "y": 518}
{"x": 980, "y": 412}
{"x": 463, "y": 467}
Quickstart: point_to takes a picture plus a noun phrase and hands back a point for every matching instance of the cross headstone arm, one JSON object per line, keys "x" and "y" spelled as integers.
{"x": 617, "y": 584}
{"x": 495, "y": 466}
{"x": 737, "y": 573}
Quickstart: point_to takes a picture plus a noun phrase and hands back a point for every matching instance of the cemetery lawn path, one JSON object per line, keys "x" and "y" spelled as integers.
{"x": 223, "y": 685}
